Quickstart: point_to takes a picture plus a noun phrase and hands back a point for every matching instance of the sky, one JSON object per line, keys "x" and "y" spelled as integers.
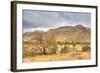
{"x": 45, "y": 20}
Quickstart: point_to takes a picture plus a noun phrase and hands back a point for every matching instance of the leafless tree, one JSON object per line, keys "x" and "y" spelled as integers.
{"x": 46, "y": 41}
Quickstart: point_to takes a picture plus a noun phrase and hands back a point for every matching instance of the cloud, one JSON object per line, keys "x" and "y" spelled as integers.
{"x": 46, "y": 19}
{"x": 40, "y": 19}
{"x": 76, "y": 17}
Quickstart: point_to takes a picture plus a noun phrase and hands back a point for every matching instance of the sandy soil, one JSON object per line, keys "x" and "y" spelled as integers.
{"x": 58, "y": 57}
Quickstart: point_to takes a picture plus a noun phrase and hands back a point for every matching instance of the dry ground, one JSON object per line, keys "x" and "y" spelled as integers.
{"x": 57, "y": 57}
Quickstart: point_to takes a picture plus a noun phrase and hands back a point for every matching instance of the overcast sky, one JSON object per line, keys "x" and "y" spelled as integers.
{"x": 44, "y": 20}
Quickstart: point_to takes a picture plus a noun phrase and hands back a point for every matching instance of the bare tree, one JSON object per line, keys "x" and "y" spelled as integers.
{"x": 41, "y": 40}
{"x": 46, "y": 41}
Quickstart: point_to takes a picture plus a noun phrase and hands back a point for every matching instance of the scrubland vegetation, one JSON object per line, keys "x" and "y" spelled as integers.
{"x": 53, "y": 51}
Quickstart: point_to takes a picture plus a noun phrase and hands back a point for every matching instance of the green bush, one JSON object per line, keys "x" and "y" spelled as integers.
{"x": 65, "y": 50}
{"x": 27, "y": 52}
{"x": 37, "y": 52}
{"x": 50, "y": 51}
{"x": 32, "y": 52}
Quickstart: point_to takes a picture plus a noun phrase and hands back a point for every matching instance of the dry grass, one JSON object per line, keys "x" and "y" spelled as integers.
{"x": 57, "y": 57}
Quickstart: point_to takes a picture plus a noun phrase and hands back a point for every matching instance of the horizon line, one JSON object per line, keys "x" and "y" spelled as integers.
{"x": 47, "y": 29}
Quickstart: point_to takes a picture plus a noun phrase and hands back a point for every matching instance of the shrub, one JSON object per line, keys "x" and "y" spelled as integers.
{"x": 37, "y": 52}
{"x": 50, "y": 50}
{"x": 86, "y": 48}
{"x": 65, "y": 50}
{"x": 27, "y": 52}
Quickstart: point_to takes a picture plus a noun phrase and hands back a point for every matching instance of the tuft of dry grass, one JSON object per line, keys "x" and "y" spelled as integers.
{"x": 58, "y": 57}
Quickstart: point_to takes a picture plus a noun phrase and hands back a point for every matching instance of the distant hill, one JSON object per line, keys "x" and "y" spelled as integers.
{"x": 65, "y": 33}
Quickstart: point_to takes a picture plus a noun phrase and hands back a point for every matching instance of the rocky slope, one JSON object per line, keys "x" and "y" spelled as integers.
{"x": 66, "y": 33}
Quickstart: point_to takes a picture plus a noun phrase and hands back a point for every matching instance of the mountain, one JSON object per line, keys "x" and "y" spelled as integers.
{"x": 66, "y": 33}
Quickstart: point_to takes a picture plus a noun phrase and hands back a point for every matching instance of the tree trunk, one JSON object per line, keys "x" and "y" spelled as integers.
{"x": 44, "y": 51}
{"x": 74, "y": 47}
